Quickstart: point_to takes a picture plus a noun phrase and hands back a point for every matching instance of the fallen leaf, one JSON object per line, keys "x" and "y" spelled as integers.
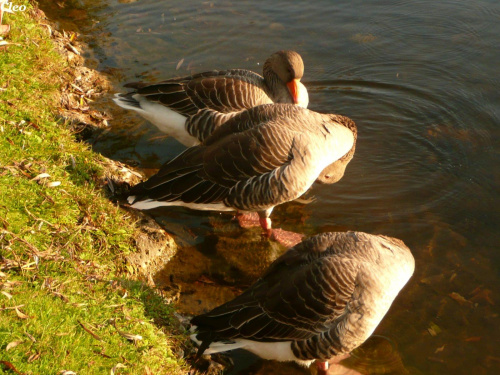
{"x": 10, "y": 366}
{"x": 438, "y": 350}
{"x": 72, "y": 49}
{"x": 473, "y": 339}
{"x": 54, "y": 184}
{"x": 128, "y": 336}
{"x": 30, "y": 337}
{"x": 40, "y": 176}
{"x": 101, "y": 353}
{"x": 61, "y": 296}
{"x": 8, "y": 295}
{"x": 89, "y": 331}
{"x": 431, "y": 280}
{"x": 20, "y": 314}
{"x": 33, "y": 357}
{"x": 179, "y": 64}
{"x": 79, "y": 304}
{"x": 13, "y": 344}
{"x": 434, "y": 329}
{"x": 66, "y": 372}
{"x": 116, "y": 367}
{"x": 457, "y": 297}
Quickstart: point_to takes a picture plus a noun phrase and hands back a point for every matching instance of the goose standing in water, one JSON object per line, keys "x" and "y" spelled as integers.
{"x": 321, "y": 299}
{"x": 260, "y": 158}
{"x": 190, "y": 108}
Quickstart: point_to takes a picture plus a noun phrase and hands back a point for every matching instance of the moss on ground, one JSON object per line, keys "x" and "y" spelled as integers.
{"x": 67, "y": 302}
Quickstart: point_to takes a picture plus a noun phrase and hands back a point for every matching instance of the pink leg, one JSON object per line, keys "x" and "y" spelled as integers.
{"x": 265, "y": 223}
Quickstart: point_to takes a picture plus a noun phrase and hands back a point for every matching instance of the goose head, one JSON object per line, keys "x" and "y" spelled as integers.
{"x": 283, "y": 71}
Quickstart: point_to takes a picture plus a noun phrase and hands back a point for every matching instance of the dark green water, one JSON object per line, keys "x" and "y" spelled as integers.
{"x": 422, "y": 81}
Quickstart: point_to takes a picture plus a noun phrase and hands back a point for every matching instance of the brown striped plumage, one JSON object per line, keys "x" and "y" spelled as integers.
{"x": 206, "y": 100}
{"x": 260, "y": 158}
{"x": 322, "y": 298}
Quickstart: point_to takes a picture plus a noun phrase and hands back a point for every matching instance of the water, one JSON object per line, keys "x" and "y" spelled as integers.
{"x": 420, "y": 79}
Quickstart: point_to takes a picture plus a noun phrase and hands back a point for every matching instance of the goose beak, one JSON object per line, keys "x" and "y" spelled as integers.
{"x": 298, "y": 92}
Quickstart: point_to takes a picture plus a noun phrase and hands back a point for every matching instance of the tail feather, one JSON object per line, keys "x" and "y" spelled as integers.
{"x": 128, "y": 102}
{"x": 207, "y": 347}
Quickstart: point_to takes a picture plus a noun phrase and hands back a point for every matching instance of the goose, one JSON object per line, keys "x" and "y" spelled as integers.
{"x": 190, "y": 108}
{"x": 318, "y": 301}
{"x": 262, "y": 157}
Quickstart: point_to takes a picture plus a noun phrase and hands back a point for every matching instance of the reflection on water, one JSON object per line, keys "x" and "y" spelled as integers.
{"x": 421, "y": 81}
{"x": 378, "y": 355}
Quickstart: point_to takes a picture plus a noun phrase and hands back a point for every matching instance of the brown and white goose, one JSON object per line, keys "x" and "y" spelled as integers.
{"x": 190, "y": 108}
{"x": 260, "y": 158}
{"x": 320, "y": 299}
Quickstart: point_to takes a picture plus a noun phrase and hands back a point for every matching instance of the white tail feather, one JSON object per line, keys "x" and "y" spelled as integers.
{"x": 279, "y": 351}
{"x": 218, "y": 346}
{"x": 149, "y": 204}
{"x": 165, "y": 119}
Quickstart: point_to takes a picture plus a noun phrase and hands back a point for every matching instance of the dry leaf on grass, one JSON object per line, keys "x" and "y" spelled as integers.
{"x": 20, "y": 314}
{"x": 33, "y": 357}
{"x": 30, "y": 337}
{"x": 89, "y": 331}
{"x": 40, "y": 176}
{"x": 8, "y": 295}
{"x": 128, "y": 336}
{"x": 11, "y": 367}
{"x": 13, "y": 344}
{"x": 116, "y": 367}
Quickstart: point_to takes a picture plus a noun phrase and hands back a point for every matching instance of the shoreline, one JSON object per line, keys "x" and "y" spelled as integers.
{"x": 75, "y": 268}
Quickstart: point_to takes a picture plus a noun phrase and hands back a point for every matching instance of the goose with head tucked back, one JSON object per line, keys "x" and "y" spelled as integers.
{"x": 190, "y": 108}
{"x": 262, "y": 157}
{"x": 320, "y": 300}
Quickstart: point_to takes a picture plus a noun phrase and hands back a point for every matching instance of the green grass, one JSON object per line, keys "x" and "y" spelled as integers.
{"x": 63, "y": 248}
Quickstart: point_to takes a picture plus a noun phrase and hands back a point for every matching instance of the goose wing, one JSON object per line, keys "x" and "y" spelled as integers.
{"x": 223, "y": 91}
{"x": 304, "y": 293}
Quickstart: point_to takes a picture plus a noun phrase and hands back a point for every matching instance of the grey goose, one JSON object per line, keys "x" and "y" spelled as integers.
{"x": 260, "y": 158}
{"x": 190, "y": 108}
{"x": 320, "y": 300}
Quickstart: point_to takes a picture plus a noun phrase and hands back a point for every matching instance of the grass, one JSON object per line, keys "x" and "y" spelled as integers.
{"x": 68, "y": 301}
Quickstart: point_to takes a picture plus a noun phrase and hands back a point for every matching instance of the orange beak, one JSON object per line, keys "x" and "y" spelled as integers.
{"x": 293, "y": 87}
